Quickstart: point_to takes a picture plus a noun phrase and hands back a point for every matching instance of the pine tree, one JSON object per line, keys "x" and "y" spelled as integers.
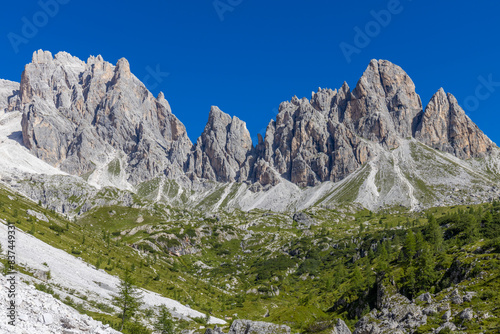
{"x": 410, "y": 246}
{"x": 164, "y": 324}
{"x": 419, "y": 243}
{"x": 383, "y": 259}
{"x": 411, "y": 280}
{"x": 435, "y": 235}
{"x": 358, "y": 281}
{"x": 128, "y": 298}
{"x": 340, "y": 274}
{"x": 371, "y": 255}
{"x": 383, "y": 255}
{"x": 426, "y": 275}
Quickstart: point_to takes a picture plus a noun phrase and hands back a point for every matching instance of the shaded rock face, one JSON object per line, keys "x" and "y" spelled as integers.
{"x": 78, "y": 115}
{"x": 446, "y": 127}
{"x": 9, "y": 96}
{"x": 224, "y": 151}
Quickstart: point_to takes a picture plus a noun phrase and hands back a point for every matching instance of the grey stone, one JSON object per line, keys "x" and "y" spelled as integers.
{"x": 446, "y": 316}
{"x": 425, "y": 297}
{"x": 467, "y": 314}
{"x": 303, "y": 219}
{"x": 48, "y": 319}
{"x": 224, "y": 151}
{"x": 456, "y": 298}
{"x": 257, "y": 327}
{"x": 216, "y": 330}
{"x": 341, "y": 328}
{"x": 37, "y": 215}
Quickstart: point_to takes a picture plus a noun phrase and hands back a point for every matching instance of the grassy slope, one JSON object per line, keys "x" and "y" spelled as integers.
{"x": 255, "y": 264}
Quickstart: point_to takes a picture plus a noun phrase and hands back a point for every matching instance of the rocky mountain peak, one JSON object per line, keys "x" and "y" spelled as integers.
{"x": 223, "y": 152}
{"x": 445, "y": 126}
{"x": 82, "y": 115}
{"x": 122, "y": 69}
{"x": 41, "y": 57}
{"x": 384, "y": 104}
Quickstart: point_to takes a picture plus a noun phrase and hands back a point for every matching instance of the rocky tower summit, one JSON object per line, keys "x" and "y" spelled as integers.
{"x": 445, "y": 126}
{"x": 81, "y": 115}
{"x": 224, "y": 150}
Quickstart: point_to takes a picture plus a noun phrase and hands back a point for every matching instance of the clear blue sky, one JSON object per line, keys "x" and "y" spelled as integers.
{"x": 264, "y": 52}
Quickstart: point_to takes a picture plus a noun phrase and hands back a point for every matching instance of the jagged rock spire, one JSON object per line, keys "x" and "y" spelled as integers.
{"x": 445, "y": 126}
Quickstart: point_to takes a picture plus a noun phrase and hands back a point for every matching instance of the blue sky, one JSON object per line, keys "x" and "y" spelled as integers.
{"x": 247, "y": 56}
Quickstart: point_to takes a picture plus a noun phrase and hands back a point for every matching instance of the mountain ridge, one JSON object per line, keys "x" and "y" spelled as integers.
{"x": 97, "y": 121}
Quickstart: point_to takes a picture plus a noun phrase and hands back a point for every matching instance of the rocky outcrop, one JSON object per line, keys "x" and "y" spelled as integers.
{"x": 341, "y": 328}
{"x": 216, "y": 330}
{"x": 395, "y": 313}
{"x": 223, "y": 152}
{"x": 445, "y": 126}
{"x": 383, "y": 105}
{"x": 240, "y": 326}
{"x": 9, "y": 96}
{"x": 329, "y": 137}
{"x": 41, "y": 313}
{"x": 78, "y": 115}
{"x": 308, "y": 146}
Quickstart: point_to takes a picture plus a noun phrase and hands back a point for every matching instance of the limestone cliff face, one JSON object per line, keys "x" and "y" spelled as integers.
{"x": 77, "y": 115}
{"x": 223, "y": 152}
{"x": 383, "y": 105}
{"x": 9, "y": 96}
{"x": 446, "y": 127}
{"x": 327, "y": 138}
{"x": 306, "y": 145}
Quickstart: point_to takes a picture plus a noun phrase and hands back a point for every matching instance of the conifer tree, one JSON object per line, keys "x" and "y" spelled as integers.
{"x": 435, "y": 235}
{"x": 410, "y": 246}
{"x": 426, "y": 275}
{"x": 358, "y": 281}
{"x": 128, "y": 298}
{"x": 164, "y": 324}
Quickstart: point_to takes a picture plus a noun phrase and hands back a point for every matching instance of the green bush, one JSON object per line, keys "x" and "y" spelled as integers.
{"x": 56, "y": 228}
{"x": 136, "y": 328}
